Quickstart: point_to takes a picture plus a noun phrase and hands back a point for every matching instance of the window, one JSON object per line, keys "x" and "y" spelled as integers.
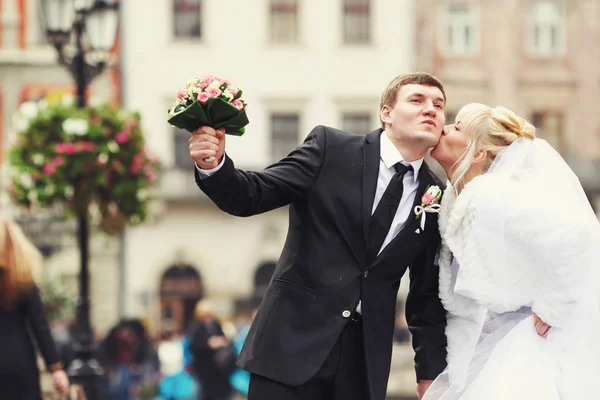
{"x": 181, "y": 150}
{"x": 285, "y": 129}
{"x": 357, "y": 18}
{"x": 549, "y": 126}
{"x": 459, "y": 33}
{"x": 284, "y": 21}
{"x": 546, "y": 30}
{"x": 357, "y": 123}
{"x": 187, "y": 18}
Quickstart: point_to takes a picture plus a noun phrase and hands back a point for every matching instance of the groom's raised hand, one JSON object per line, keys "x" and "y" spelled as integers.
{"x": 207, "y": 142}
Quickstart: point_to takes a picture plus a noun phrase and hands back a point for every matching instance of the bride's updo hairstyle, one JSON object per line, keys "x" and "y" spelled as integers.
{"x": 489, "y": 129}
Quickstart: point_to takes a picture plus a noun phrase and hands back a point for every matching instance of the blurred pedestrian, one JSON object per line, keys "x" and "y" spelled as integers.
{"x": 213, "y": 358}
{"x": 22, "y": 320}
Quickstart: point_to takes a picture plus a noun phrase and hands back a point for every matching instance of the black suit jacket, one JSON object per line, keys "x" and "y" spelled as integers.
{"x": 329, "y": 183}
{"x": 22, "y": 326}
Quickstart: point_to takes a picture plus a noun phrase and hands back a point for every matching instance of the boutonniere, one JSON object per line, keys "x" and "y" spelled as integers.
{"x": 430, "y": 203}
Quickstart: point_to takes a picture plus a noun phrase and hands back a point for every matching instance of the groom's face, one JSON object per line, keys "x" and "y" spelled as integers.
{"x": 418, "y": 115}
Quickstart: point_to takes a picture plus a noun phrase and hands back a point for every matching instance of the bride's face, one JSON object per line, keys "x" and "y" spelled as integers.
{"x": 451, "y": 146}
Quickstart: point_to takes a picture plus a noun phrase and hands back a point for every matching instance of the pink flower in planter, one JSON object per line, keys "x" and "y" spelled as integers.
{"x": 86, "y": 146}
{"x": 151, "y": 176}
{"x": 49, "y": 169}
{"x": 134, "y": 169}
{"x": 121, "y": 138}
{"x": 58, "y": 161}
{"x": 181, "y": 94}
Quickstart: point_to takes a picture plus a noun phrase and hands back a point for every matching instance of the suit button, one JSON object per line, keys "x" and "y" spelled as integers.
{"x": 366, "y": 274}
{"x": 346, "y": 314}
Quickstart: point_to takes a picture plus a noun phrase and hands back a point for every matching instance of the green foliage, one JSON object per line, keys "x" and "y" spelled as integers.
{"x": 59, "y": 302}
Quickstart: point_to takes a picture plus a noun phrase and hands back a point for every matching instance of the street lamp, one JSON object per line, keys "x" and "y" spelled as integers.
{"x": 83, "y": 32}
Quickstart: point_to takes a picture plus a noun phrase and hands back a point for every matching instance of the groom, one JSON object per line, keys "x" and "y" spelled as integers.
{"x": 324, "y": 328}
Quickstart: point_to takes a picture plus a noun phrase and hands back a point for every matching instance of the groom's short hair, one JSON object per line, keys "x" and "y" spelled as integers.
{"x": 390, "y": 94}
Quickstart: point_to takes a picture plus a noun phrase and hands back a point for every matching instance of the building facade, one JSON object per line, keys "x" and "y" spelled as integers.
{"x": 540, "y": 58}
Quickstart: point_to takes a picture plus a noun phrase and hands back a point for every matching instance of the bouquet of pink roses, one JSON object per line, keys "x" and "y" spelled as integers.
{"x": 209, "y": 101}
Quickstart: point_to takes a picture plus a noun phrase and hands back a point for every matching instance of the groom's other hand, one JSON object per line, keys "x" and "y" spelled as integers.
{"x": 541, "y": 327}
{"x": 207, "y": 142}
{"x": 422, "y": 387}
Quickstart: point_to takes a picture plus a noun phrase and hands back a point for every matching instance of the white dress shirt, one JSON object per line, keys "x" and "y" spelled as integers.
{"x": 389, "y": 156}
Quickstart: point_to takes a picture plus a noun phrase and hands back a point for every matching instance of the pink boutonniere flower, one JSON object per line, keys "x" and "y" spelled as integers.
{"x": 430, "y": 203}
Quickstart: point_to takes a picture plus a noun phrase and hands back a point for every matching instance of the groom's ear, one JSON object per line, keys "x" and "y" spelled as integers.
{"x": 480, "y": 156}
{"x": 384, "y": 114}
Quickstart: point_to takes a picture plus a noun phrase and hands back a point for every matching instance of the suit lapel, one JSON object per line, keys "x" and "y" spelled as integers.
{"x": 371, "y": 157}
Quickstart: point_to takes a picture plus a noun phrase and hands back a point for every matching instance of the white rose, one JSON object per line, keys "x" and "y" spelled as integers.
{"x": 38, "y": 159}
{"x": 29, "y": 109}
{"x": 68, "y": 192}
{"x": 32, "y": 196}
{"x": 49, "y": 189}
{"x": 228, "y": 95}
{"x": 113, "y": 146}
{"x": 435, "y": 191}
{"x": 20, "y": 123}
{"x": 103, "y": 158}
{"x": 215, "y": 84}
{"x": 142, "y": 194}
{"x": 75, "y": 126}
{"x": 26, "y": 181}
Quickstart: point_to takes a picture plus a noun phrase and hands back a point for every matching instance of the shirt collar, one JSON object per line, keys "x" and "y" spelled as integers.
{"x": 390, "y": 156}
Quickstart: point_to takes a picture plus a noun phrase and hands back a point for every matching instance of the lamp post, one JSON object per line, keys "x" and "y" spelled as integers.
{"x": 83, "y": 33}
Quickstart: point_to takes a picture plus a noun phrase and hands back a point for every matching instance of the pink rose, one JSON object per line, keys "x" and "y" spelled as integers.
{"x": 49, "y": 169}
{"x": 151, "y": 176}
{"x": 213, "y": 92}
{"x": 58, "y": 161}
{"x": 65, "y": 148}
{"x": 121, "y": 138}
{"x": 427, "y": 199}
{"x": 135, "y": 169}
{"x": 203, "y": 97}
{"x": 237, "y": 104}
{"x": 86, "y": 146}
{"x": 181, "y": 94}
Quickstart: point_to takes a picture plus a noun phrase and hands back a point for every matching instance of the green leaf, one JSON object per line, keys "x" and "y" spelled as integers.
{"x": 238, "y": 95}
{"x": 220, "y": 111}
{"x": 191, "y": 118}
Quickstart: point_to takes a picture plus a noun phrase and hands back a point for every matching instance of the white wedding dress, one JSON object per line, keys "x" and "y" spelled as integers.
{"x": 519, "y": 239}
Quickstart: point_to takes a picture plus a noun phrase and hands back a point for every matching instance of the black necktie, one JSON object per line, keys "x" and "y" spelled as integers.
{"x": 382, "y": 218}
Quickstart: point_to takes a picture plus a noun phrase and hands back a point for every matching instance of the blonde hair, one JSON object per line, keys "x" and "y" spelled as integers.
{"x": 18, "y": 258}
{"x": 390, "y": 94}
{"x": 489, "y": 129}
{"x": 204, "y": 309}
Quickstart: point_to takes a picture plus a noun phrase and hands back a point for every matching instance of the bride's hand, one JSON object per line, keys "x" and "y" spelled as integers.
{"x": 541, "y": 327}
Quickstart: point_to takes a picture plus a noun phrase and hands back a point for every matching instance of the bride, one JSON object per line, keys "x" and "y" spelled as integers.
{"x": 519, "y": 269}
